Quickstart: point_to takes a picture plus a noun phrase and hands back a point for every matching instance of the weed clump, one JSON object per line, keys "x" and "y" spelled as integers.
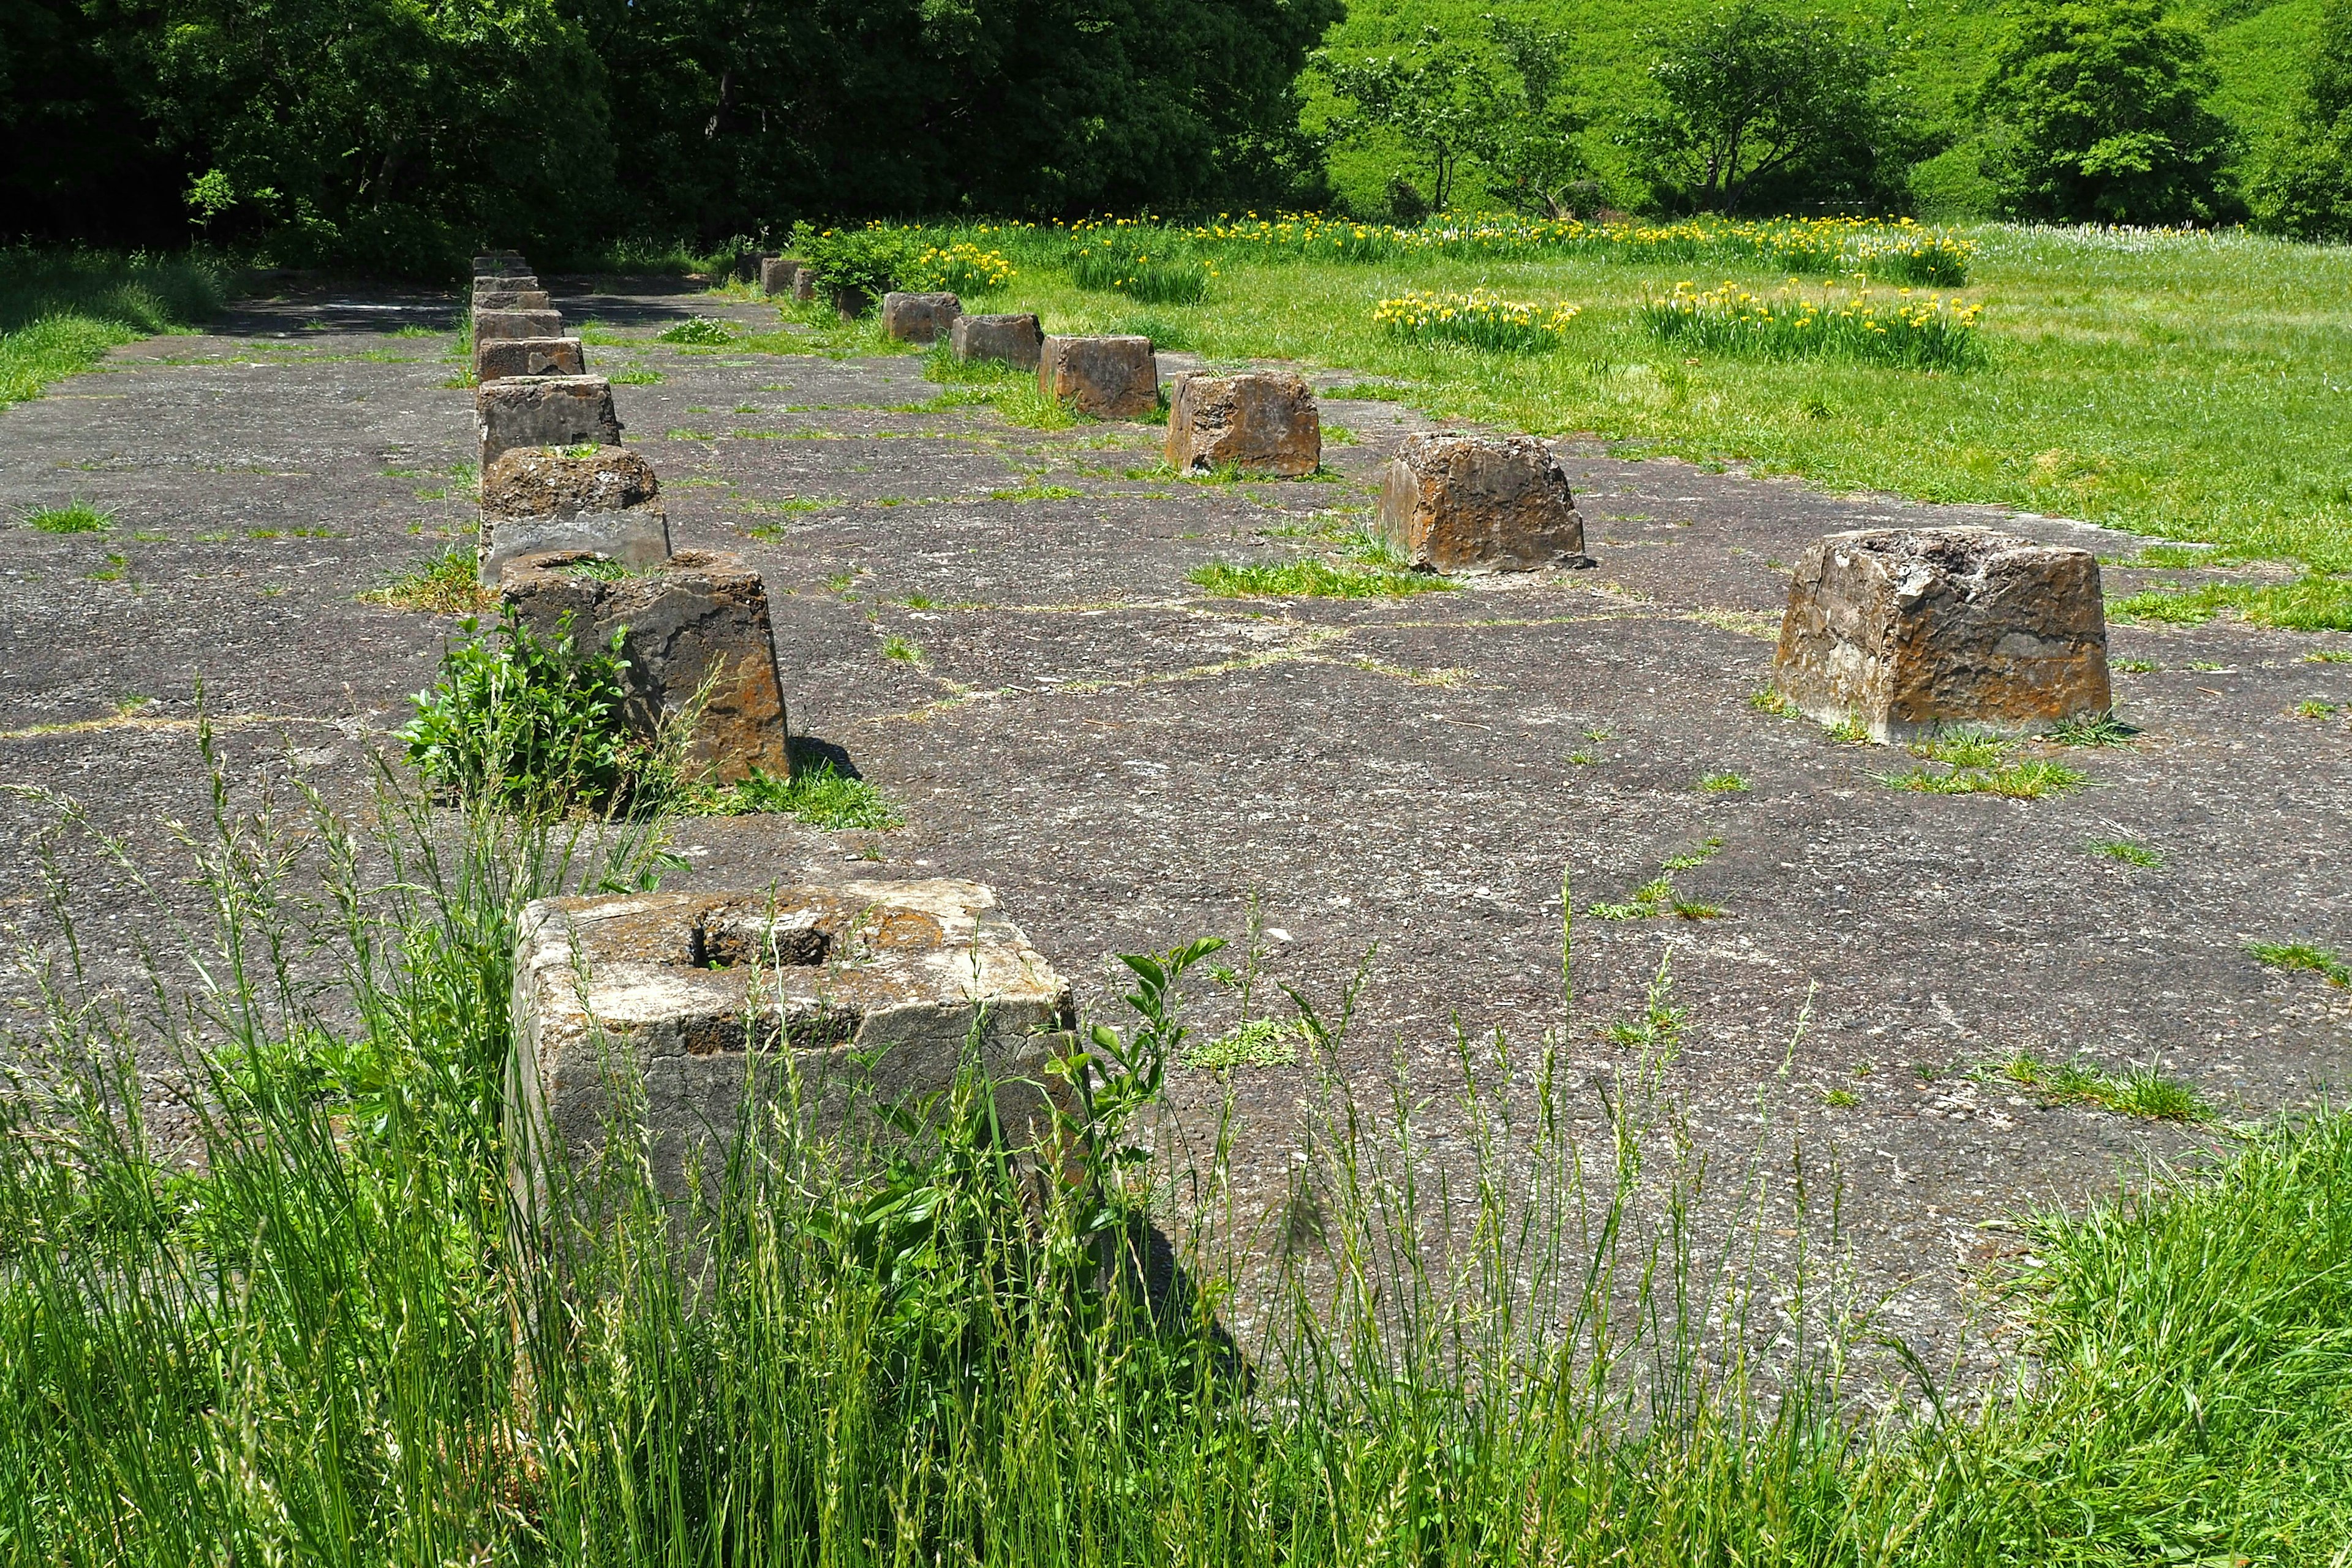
{"x": 539, "y": 726}
{"x": 1312, "y": 579}
{"x": 2139, "y": 1091}
{"x": 698, "y": 332}
{"x": 2301, "y": 957}
{"x": 817, "y": 793}
{"x": 74, "y": 517}
{"x": 447, "y": 584}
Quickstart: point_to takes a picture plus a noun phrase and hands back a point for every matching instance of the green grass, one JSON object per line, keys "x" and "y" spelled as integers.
{"x": 74, "y": 517}
{"x": 817, "y": 793}
{"x": 2129, "y": 853}
{"x": 1311, "y": 579}
{"x": 61, "y": 310}
{"x": 2138, "y": 1091}
{"x": 1724, "y": 783}
{"x": 902, "y": 650}
{"x": 2182, "y": 386}
{"x": 2313, "y": 602}
{"x": 315, "y": 1322}
{"x": 2304, "y": 958}
{"x": 2030, "y": 780}
{"x": 447, "y": 584}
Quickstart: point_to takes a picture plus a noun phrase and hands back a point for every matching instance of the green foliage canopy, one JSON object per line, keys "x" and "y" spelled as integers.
{"x": 2304, "y": 186}
{"x": 1756, "y": 103}
{"x": 2101, "y": 112}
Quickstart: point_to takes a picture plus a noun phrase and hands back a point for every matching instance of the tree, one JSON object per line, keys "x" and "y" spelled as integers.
{"x": 2099, "y": 111}
{"x": 2304, "y": 186}
{"x": 1442, "y": 106}
{"x": 1532, "y": 151}
{"x": 1757, "y": 105}
{"x": 1461, "y": 110}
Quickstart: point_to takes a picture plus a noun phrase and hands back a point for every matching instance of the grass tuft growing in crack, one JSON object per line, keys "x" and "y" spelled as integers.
{"x": 1312, "y": 579}
{"x": 2137, "y": 1092}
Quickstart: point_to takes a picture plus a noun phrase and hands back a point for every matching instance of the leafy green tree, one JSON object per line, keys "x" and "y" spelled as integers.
{"x": 381, "y": 131}
{"x": 2304, "y": 186}
{"x": 1441, "y": 106}
{"x": 2099, "y": 110}
{"x": 1756, "y": 106}
{"x": 1461, "y": 111}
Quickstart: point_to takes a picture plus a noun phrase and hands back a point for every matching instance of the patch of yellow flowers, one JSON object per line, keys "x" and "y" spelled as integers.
{"x": 964, "y": 267}
{"x": 1920, "y": 330}
{"x": 1480, "y": 318}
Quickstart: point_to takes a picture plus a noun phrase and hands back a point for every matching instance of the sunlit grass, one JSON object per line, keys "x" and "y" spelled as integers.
{"x": 2185, "y": 387}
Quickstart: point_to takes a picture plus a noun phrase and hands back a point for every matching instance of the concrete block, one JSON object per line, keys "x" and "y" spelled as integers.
{"x": 1451, "y": 503}
{"x": 1015, "y": 340}
{"x": 543, "y": 411}
{"x": 1914, "y": 631}
{"x": 698, "y": 615}
{"x": 1262, "y": 422}
{"x": 497, "y": 261}
{"x": 493, "y": 282}
{"x": 778, "y": 274}
{"x": 498, "y": 358}
{"x": 512, "y": 299}
{"x": 804, "y": 283}
{"x": 657, "y": 1016}
{"x": 919, "y": 318}
{"x": 538, "y": 498}
{"x": 517, "y": 324}
{"x": 1109, "y": 378}
{"x": 852, "y": 302}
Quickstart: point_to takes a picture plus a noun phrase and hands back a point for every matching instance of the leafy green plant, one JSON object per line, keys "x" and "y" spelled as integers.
{"x": 74, "y": 517}
{"x": 535, "y": 725}
{"x": 1724, "y": 783}
{"x": 872, "y": 258}
{"x": 1257, "y": 1043}
{"x": 699, "y": 330}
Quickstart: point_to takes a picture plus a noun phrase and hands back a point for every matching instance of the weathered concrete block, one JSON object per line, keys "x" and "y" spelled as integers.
{"x": 1015, "y": 340}
{"x": 544, "y": 411}
{"x": 804, "y": 283}
{"x": 1910, "y": 630}
{"x": 1109, "y": 378}
{"x": 538, "y": 498}
{"x": 778, "y": 274}
{"x": 517, "y": 324}
{"x": 493, "y": 282}
{"x": 501, "y": 357}
{"x": 659, "y": 1016}
{"x": 493, "y": 261}
{"x": 1262, "y": 422}
{"x": 919, "y": 318}
{"x": 512, "y": 299}
{"x": 1451, "y": 503}
{"x": 698, "y": 615}
{"x": 852, "y": 302}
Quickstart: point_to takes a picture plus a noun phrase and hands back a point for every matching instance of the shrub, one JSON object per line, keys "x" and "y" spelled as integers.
{"x": 872, "y": 258}
{"x": 1479, "y": 319}
{"x": 1920, "y": 333}
{"x": 532, "y": 725}
{"x": 699, "y": 329}
{"x": 2100, "y": 113}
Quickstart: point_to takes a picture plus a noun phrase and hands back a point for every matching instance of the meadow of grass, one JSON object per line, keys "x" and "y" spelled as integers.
{"x": 2193, "y": 386}
{"x": 60, "y": 311}
{"x": 329, "y": 1330}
